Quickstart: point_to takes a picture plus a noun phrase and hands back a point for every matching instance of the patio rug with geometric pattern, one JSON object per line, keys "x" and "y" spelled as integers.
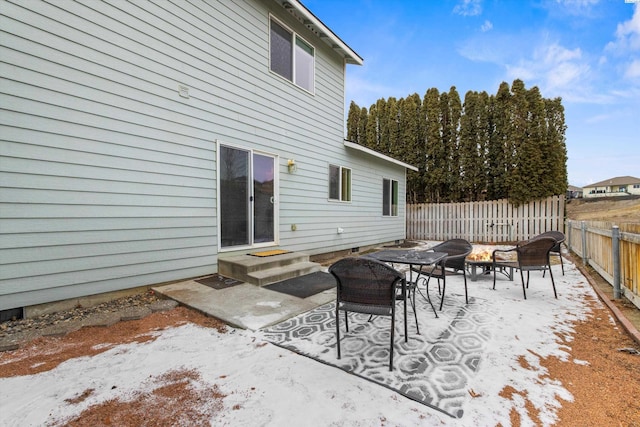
{"x": 433, "y": 368}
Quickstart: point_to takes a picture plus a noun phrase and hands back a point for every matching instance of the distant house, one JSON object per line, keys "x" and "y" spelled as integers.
{"x": 618, "y": 186}
{"x": 574, "y": 192}
{"x": 144, "y": 141}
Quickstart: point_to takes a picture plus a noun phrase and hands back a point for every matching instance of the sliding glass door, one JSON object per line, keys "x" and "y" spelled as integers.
{"x": 247, "y": 197}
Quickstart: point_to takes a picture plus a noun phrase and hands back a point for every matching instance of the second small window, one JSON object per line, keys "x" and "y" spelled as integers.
{"x": 389, "y": 197}
{"x": 339, "y": 183}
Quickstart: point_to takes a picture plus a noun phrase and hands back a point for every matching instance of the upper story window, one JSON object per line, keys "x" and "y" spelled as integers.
{"x": 339, "y": 183}
{"x": 291, "y": 56}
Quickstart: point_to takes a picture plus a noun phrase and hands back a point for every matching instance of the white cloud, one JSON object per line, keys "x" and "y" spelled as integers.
{"x": 626, "y": 46}
{"x": 486, "y": 26}
{"x": 558, "y": 71}
{"x": 554, "y": 54}
{"x": 564, "y": 75}
{"x": 366, "y": 91}
{"x": 602, "y": 118}
{"x": 627, "y": 35}
{"x": 631, "y": 30}
{"x": 633, "y": 70}
{"x": 572, "y": 7}
{"x": 521, "y": 71}
{"x": 577, "y": 3}
{"x": 468, "y": 8}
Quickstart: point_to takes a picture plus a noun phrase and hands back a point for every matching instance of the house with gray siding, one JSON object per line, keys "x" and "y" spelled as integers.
{"x": 141, "y": 142}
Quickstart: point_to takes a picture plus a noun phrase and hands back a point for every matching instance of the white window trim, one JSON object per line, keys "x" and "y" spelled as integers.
{"x": 293, "y": 52}
{"x": 340, "y": 169}
{"x": 276, "y": 212}
{"x": 391, "y": 181}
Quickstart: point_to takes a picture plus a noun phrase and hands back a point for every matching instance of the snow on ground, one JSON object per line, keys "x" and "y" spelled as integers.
{"x": 270, "y": 386}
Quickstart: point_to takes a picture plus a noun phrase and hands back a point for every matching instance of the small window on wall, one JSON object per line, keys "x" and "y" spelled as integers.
{"x": 291, "y": 57}
{"x": 339, "y": 183}
{"x": 389, "y": 197}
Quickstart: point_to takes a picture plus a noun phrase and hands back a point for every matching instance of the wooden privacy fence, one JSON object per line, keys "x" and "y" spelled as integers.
{"x": 494, "y": 221}
{"x": 612, "y": 250}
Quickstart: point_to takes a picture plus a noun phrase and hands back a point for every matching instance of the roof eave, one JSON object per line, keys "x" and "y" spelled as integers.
{"x": 616, "y": 181}
{"x": 315, "y": 25}
{"x": 371, "y": 152}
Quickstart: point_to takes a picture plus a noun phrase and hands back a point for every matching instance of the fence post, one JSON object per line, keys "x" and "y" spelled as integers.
{"x": 568, "y": 230}
{"x": 615, "y": 252}
{"x": 584, "y": 242}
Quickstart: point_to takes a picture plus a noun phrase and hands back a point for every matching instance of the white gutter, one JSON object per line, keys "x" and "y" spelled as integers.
{"x": 371, "y": 152}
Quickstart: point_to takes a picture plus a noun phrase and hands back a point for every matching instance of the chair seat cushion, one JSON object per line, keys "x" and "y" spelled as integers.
{"x": 534, "y": 267}
{"x": 437, "y": 272}
{"x": 365, "y": 308}
{"x": 512, "y": 264}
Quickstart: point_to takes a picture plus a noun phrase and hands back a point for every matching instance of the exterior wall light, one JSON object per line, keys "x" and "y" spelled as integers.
{"x": 291, "y": 166}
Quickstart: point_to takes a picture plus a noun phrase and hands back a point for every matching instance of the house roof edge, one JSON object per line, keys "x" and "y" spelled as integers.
{"x": 618, "y": 180}
{"x": 313, "y": 23}
{"x": 369, "y": 151}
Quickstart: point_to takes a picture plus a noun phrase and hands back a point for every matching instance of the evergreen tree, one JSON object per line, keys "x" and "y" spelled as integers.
{"x": 508, "y": 145}
{"x": 409, "y": 147}
{"x": 481, "y": 180}
{"x": 435, "y": 157}
{"x": 432, "y": 144}
{"x": 371, "y": 140}
{"x": 472, "y": 145}
{"x": 499, "y": 149}
{"x": 353, "y": 123}
{"x": 517, "y": 179}
{"x": 392, "y": 127}
{"x": 557, "y": 150}
{"x": 383, "y": 126}
{"x": 451, "y": 135}
{"x": 362, "y": 126}
{"x": 536, "y": 147}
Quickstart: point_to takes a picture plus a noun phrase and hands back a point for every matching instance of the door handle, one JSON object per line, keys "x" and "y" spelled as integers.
{"x": 271, "y": 199}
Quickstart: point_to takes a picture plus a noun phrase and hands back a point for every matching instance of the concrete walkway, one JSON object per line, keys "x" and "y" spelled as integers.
{"x": 245, "y": 305}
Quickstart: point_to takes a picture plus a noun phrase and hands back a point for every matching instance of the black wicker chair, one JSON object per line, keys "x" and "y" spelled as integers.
{"x": 366, "y": 286}
{"x": 457, "y": 250}
{"x": 559, "y": 238}
{"x": 532, "y": 255}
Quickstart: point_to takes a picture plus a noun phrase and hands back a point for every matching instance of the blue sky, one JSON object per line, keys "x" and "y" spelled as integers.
{"x": 585, "y": 51}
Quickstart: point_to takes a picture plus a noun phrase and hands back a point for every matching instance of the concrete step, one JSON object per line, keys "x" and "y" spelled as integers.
{"x": 265, "y": 270}
{"x": 277, "y": 274}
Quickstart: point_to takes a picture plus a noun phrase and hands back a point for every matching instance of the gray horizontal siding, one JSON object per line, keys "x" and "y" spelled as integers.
{"x": 108, "y": 176}
{"x": 361, "y": 219}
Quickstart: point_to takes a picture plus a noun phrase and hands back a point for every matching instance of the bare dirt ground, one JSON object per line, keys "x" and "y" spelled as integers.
{"x": 173, "y": 402}
{"x": 610, "y": 209}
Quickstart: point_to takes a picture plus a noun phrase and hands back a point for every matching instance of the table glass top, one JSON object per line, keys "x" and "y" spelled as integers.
{"x": 408, "y": 256}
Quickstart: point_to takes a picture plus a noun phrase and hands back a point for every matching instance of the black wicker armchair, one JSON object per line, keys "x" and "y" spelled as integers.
{"x": 532, "y": 255}
{"x": 366, "y": 286}
{"x": 556, "y": 250}
{"x": 456, "y": 250}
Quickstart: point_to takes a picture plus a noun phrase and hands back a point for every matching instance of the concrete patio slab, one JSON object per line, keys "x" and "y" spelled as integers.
{"x": 243, "y": 306}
